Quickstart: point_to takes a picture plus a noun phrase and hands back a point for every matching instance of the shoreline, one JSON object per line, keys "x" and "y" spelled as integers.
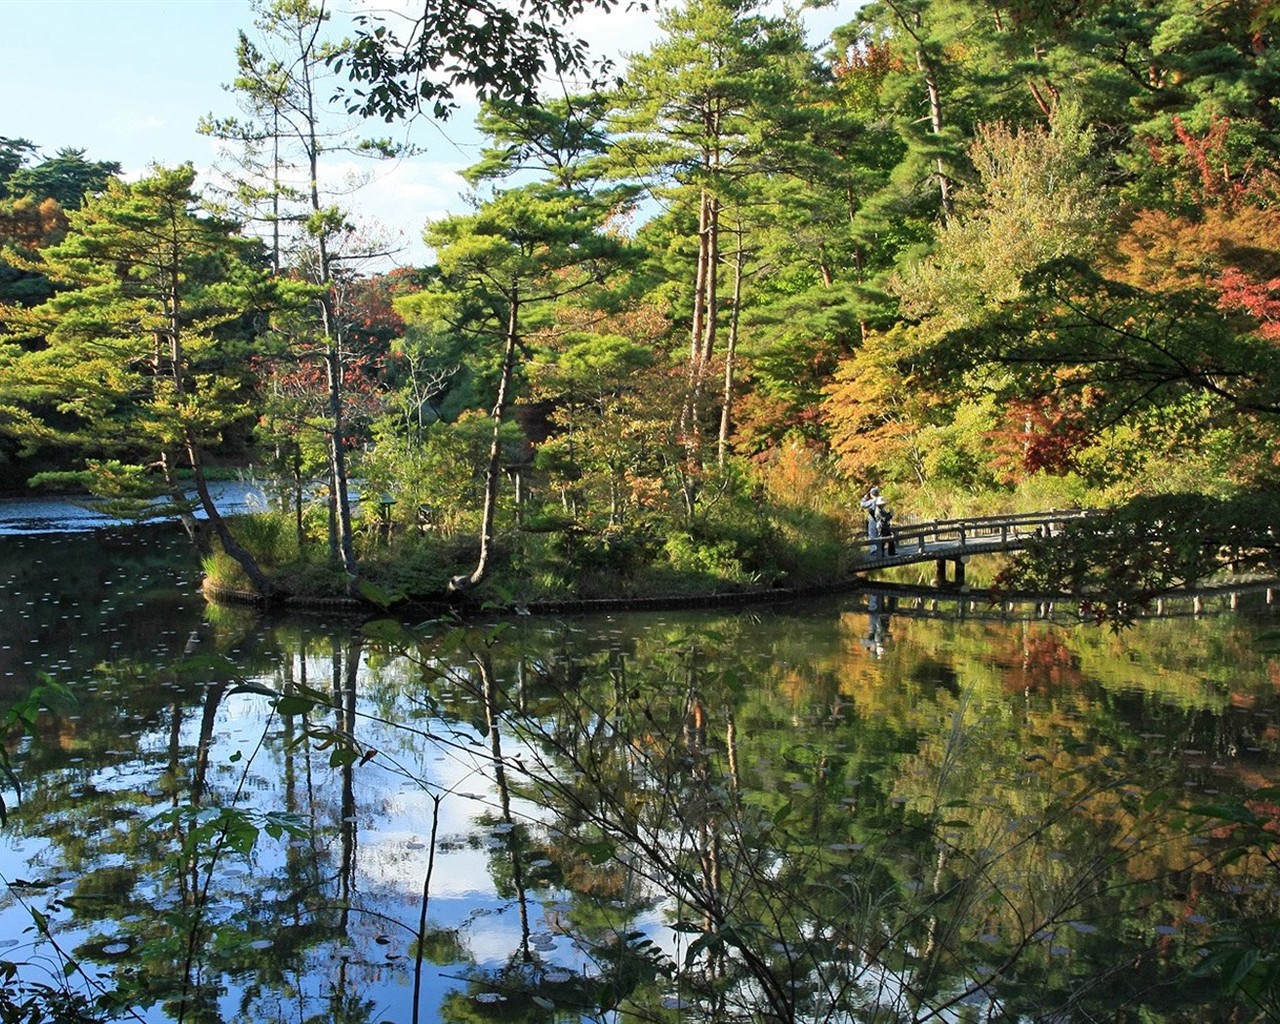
{"x": 692, "y": 602}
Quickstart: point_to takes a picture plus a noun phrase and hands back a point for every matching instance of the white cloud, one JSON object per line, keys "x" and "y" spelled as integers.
{"x": 404, "y": 196}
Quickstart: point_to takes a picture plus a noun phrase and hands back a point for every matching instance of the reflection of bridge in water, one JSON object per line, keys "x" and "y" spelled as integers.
{"x": 923, "y": 602}
{"x": 883, "y": 601}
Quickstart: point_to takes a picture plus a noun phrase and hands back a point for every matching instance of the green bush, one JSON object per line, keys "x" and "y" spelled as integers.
{"x": 417, "y": 565}
{"x": 269, "y": 536}
{"x": 716, "y": 559}
{"x": 224, "y": 572}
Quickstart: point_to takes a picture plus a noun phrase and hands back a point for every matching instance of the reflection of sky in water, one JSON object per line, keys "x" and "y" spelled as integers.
{"x": 393, "y": 816}
{"x": 28, "y": 515}
{"x": 113, "y": 620}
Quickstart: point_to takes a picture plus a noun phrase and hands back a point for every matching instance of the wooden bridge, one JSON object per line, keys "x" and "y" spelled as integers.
{"x": 955, "y": 540}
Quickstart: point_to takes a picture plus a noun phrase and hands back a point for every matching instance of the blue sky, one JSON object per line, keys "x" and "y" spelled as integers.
{"x": 124, "y": 80}
{"x": 128, "y": 80}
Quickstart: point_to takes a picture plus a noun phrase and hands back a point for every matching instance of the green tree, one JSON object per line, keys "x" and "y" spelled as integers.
{"x": 1037, "y": 199}
{"x": 1136, "y": 68}
{"x": 143, "y": 349}
{"x": 700, "y": 117}
{"x": 402, "y": 65}
{"x": 1180, "y": 308}
{"x": 611, "y": 424}
{"x": 524, "y": 248}
{"x": 32, "y": 201}
{"x": 823, "y": 239}
{"x": 66, "y": 177}
{"x": 283, "y": 146}
{"x": 14, "y": 154}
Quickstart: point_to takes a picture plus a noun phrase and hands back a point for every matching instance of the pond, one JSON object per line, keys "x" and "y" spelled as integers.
{"x": 876, "y": 807}
{"x": 60, "y": 514}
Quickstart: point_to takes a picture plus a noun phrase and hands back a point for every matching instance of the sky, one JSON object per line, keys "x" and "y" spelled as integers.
{"x": 128, "y": 81}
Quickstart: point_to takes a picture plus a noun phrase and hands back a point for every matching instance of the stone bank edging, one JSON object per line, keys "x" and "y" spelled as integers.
{"x": 556, "y": 606}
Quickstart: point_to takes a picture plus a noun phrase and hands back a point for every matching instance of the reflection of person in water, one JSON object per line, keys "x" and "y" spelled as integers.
{"x": 878, "y": 609}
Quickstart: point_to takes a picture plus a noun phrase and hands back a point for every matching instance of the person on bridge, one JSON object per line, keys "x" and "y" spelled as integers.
{"x": 868, "y": 505}
{"x": 884, "y": 528}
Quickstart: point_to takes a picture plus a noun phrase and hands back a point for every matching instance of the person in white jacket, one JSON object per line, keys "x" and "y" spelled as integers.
{"x": 868, "y": 505}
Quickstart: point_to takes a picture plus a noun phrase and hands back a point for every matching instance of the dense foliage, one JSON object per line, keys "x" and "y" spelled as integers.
{"x": 986, "y": 255}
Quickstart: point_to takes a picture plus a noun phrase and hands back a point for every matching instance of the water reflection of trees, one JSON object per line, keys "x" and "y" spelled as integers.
{"x": 725, "y": 822}
{"x": 155, "y": 878}
{"x": 847, "y": 872}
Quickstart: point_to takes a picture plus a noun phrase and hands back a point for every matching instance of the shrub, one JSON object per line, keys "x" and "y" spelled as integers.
{"x": 224, "y": 572}
{"x": 716, "y": 559}
{"x": 269, "y": 536}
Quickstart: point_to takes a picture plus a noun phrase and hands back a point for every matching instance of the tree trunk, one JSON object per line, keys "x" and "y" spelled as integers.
{"x": 726, "y": 403}
{"x": 700, "y": 278}
{"x": 333, "y": 355}
{"x": 689, "y": 414}
{"x": 338, "y": 458}
{"x": 935, "y": 122}
{"x": 494, "y": 467}
{"x": 261, "y": 582}
{"x": 709, "y": 324}
{"x": 176, "y": 360}
{"x": 913, "y": 23}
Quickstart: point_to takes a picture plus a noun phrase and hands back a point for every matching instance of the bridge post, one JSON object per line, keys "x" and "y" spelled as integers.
{"x": 940, "y": 572}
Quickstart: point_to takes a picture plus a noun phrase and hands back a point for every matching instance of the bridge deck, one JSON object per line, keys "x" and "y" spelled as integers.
{"x": 953, "y": 540}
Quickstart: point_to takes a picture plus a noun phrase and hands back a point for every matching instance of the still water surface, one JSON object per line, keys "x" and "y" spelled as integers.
{"x": 56, "y": 514}
{"x": 868, "y": 808}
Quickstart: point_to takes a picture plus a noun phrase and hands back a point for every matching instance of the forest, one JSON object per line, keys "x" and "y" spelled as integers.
{"x": 986, "y": 255}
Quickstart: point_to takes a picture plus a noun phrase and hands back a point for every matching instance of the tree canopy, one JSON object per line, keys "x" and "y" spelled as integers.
{"x": 985, "y": 255}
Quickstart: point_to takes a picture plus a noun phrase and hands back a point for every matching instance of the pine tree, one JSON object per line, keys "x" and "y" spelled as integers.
{"x": 142, "y": 351}
{"x": 525, "y": 249}
{"x": 281, "y": 147}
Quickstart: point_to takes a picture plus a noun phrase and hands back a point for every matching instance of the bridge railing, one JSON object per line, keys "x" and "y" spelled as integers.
{"x": 1011, "y": 528}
